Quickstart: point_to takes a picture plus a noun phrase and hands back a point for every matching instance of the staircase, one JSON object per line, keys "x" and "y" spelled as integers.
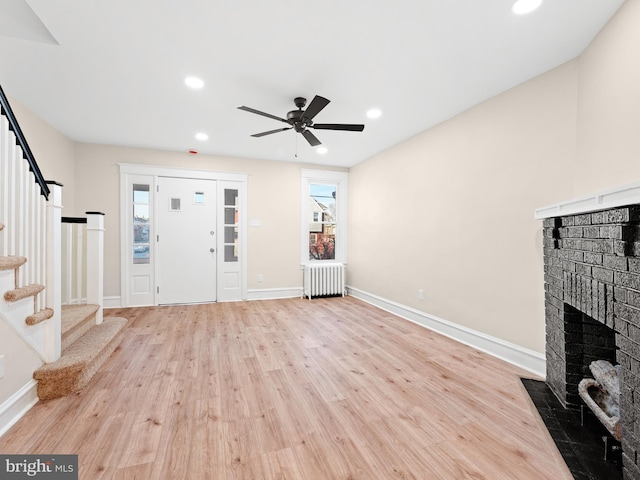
{"x": 85, "y": 344}
{"x": 72, "y": 342}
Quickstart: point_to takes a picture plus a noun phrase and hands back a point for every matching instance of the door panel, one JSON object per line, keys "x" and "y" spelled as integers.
{"x": 187, "y": 240}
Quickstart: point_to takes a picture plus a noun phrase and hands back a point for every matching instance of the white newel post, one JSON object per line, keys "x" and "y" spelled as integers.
{"x": 53, "y": 290}
{"x": 95, "y": 261}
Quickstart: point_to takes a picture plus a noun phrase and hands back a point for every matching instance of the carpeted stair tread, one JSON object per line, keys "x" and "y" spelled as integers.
{"x": 80, "y": 361}
{"x": 76, "y": 321}
{"x": 23, "y": 292}
{"x": 12, "y": 262}
{"x": 41, "y": 316}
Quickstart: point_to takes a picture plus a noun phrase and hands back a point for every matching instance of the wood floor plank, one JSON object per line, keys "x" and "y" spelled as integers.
{"x": 281, "y": 465}
{"x": 137, "y": 472}
{"x": 293, "y": 389}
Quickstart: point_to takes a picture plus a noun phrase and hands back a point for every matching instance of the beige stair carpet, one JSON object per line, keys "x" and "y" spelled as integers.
{"x": 38, "y": 317}
{"x": 23, "y": 292}
{"x": 80, "y": 361}
{"x": 11, "y": 262}
{"x": 76, "y": 321}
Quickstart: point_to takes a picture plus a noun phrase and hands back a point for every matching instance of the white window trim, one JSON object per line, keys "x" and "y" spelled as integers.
{"x": 341, "y": 181}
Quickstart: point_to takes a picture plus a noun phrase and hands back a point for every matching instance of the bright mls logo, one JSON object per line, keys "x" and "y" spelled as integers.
{"x": 50, "y": 467}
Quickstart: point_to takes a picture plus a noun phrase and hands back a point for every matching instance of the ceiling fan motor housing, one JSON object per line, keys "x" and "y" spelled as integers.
{"x": 294, "y": 117}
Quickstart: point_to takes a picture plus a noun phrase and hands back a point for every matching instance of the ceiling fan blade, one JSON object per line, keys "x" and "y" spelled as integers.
{"x": 271, "y": 131}
{"x": 311, "y": 138}
{"x": 258, "y": 112}
{"x": 315, "y": 107}
{"x": 338, "y": 126}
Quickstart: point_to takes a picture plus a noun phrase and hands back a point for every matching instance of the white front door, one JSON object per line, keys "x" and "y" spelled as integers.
{"x": 186, "y": 242}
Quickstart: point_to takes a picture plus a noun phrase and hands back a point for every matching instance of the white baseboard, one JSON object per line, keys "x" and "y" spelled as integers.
{"x": 529, "y": 360}
{"x": 111, "y": 302}
{"x": 107, "y": 302}
{"x": 274, "y": 293}
{"x": 17, "y": 405}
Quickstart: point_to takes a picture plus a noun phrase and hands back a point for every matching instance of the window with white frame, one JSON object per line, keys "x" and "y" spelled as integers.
{"x": 324, "y": 207}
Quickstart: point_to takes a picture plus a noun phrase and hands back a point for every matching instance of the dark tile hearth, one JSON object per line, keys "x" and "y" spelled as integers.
{"x": 581, "y": 447}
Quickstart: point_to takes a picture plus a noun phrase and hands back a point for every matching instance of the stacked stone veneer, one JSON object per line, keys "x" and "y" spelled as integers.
{"x": 592, "y": 308}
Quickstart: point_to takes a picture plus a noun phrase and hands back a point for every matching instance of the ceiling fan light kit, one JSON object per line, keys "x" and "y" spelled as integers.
{"x": 301, "y": 120}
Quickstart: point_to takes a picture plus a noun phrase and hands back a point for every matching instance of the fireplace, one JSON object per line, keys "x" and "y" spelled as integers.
{"x": 592, "y": 306}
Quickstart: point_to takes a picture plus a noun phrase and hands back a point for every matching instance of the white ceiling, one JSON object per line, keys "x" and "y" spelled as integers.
{"x": 112, "y": 71}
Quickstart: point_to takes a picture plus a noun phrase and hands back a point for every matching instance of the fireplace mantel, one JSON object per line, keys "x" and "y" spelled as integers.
{"x": 616, "y": 197}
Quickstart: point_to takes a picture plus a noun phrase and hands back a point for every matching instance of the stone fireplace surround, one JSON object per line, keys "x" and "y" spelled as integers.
{"x": 592, "y": 300}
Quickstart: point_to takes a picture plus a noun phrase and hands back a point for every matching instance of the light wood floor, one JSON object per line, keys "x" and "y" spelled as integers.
{"x": 293, "y": 389}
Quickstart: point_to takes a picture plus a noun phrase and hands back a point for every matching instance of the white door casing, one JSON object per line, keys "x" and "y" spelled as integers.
{"x": 139, "y": 281}
{"x": 186, "y": 241}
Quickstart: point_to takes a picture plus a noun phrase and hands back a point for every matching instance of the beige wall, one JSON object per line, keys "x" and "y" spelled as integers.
{"x": 19, "y": 359}
{"x": 609, "y": 105}
{"x": 54, "y": 153}
{"x": 274, "y": 198}
{"x": 450, "y": 211}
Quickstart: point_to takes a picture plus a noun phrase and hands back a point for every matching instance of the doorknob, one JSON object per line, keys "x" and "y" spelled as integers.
{"x": 212, "y": 250}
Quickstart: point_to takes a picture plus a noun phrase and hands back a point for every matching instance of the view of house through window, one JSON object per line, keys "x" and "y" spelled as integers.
{"x": 322, "y": 221}
{"x": 141, "y": 205}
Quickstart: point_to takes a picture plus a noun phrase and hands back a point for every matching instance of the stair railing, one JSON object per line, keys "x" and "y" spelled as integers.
{"x": 22, "y": 142}
{"x": 82, "y": 260}
{"x": 29, "y": 216}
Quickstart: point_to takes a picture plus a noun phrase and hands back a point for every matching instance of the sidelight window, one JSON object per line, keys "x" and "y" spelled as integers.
{"x": 141, "y": 224}
{"x": 231, "y": 225}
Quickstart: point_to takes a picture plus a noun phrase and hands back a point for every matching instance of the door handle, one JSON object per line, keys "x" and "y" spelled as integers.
{"x": 212, "y": 250}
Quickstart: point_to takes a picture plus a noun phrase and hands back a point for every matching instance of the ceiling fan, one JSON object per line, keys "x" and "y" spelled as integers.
{"x": 301, "y": 120}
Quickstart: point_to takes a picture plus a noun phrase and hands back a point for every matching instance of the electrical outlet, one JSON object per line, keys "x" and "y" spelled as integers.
{"x": 420, "y": 294}
{"x": 260, "y": 278}
{"x": 1, "y": 366}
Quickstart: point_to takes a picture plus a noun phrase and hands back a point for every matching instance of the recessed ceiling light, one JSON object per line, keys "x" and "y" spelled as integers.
{"x": 374, "y": 113}
{"x": 194, "y": 82}
{"x": 322, "y": 150}
{"x": 525, "y": 6}
{"x": 202, "y": 136}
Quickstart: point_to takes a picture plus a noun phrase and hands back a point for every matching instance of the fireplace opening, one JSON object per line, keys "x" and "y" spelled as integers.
{"x": 586, "y": 341}
{"x": 592, "y": 377}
